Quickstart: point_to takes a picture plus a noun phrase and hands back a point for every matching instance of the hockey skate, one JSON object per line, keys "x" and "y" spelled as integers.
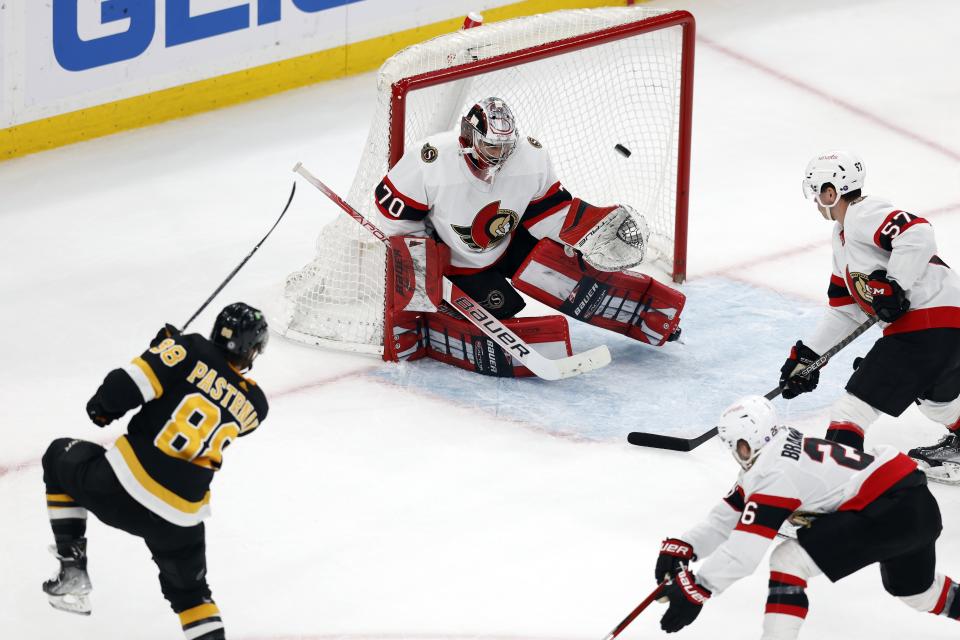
{"x": 69, "y": 589}
{"x": 941, "y": 461}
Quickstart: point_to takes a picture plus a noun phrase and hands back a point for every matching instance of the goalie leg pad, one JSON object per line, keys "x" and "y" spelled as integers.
{"x": 635, "y": 305}
{"x": 415, "y": 268}
{"x": 455, "y": 341}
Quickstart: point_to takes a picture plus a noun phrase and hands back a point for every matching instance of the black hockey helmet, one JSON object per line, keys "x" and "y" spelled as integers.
{"x": 241, "y": 331}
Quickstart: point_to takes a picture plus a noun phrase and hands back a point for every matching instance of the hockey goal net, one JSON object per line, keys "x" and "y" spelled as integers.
{"x": 581, "y": 82}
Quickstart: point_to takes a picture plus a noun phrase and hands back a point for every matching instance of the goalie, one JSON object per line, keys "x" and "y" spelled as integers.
{"x": 483, "y": 206}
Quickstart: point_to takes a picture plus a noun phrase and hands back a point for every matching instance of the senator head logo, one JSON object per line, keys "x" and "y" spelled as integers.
{"x": 491, "y": 226}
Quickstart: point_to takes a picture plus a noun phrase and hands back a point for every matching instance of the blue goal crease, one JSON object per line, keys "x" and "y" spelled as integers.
{"x": 735, "y": 339}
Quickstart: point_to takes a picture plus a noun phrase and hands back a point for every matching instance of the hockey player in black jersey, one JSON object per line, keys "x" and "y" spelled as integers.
{"x": 194, "y": 401}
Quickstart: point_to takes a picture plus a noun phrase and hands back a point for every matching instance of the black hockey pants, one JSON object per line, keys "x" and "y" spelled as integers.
{"x": 79, "y": 469}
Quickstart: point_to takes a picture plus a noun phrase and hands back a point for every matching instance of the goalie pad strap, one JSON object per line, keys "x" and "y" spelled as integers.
{"x": 635, "y": 305}
{"x": 455, "y": 341}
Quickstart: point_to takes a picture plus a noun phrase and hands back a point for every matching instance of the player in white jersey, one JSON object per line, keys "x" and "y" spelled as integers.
{"x": 492, "y": 198}
{"x": 885, "y": 263}
{"x": 858, "y": 508}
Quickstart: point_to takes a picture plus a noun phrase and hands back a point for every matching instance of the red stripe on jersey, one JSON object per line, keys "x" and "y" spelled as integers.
{"x": 786, "y": 578}
{"x": 920, "y": 319}
{"x": 757, "y": 529}
{"x": 889, "y": 473}
{"x": 942, "y": 600}
{"x": 775, "y": 501}
{"x": 845, "y": 426}
{"x": 407, "y": 200}
{"x": 955, "y": 427}
{"x": 883, "y": 237}
{"x": 841, "y": 302}
{"x": 552, "y": 190}
{"x": 837, "y": 280}
{"x": 787, "y": 610}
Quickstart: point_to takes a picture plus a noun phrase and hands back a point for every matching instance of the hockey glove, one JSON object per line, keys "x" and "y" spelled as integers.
{"x": 793, "y": 385}
{"x": 168, "y": 331}
{"x": 98, "y": 413}
{"x": 889, "y": 300}
{"x": 686, "y": 601}
{"x": 675, "y": 556}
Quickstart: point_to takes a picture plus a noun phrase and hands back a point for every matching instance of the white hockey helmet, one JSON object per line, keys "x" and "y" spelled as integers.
{"x": 488, "y": 133}
{"x": 751, "y": 420}
{"x": 842, "y": 169}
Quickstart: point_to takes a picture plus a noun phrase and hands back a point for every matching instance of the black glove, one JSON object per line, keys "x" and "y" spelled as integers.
{"x": 793, "y": 385}
{"x": 98, "y": 414}
{"x": 168, "y": 331}
{"x": 889, "y": 301}
{"x": 686, "y": 601}
{"x": 675, "y": 555}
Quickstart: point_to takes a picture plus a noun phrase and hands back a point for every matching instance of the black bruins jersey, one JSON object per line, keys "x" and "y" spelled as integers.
{"x": 194, "y": 405}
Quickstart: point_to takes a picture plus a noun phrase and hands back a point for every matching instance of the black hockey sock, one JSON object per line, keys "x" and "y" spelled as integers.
{"x": 68, "y": 521}
{"x": 846, "y": 433}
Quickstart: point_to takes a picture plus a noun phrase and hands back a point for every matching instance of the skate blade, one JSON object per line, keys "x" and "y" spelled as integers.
{"x": 71, "y": 603}
{"x": 946, "y": 473}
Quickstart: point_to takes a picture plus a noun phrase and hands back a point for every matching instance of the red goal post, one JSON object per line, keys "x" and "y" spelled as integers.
{"x": 580, "y": 81}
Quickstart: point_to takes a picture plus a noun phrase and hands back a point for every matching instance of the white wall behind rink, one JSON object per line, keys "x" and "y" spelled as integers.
{"x": 36, "y": 85}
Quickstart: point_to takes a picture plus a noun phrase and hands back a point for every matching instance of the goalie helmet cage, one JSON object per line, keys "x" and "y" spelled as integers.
{"x": 580, "y": 81}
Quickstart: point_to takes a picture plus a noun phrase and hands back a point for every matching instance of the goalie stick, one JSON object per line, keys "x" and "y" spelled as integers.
{"x": 657, "y": 441}
{"x": 511, "y": 343}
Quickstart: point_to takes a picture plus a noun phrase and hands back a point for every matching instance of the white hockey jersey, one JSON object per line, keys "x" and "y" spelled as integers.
{"x": 433, "y": 190}
{"x": 792, "y": 473}
{"x": 875, "y": 235}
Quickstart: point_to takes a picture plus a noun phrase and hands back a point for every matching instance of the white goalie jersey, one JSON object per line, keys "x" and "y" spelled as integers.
{"x": 875, "y": 235}
{"x": 432, "y": 190}
{"x": 792, "y": 473}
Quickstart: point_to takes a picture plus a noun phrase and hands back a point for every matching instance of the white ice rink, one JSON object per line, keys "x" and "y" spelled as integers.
{"x": 367, "y": 507}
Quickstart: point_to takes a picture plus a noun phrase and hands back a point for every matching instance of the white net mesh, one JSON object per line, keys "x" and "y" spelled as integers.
{"x": 580, "y": 104}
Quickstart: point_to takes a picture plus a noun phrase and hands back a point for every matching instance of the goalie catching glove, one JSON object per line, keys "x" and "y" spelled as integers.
{"x": 609, "y": 238}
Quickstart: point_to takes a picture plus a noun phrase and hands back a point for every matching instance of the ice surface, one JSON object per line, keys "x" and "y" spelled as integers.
{"x": 368, "y": 506}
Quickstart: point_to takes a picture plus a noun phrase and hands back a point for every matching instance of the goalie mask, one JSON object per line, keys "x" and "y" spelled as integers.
{"x": 746, "y": 427}
{"x": 488, "y": 136}
{"x": 241, "y": 331}
{"x": 840, "y": 169}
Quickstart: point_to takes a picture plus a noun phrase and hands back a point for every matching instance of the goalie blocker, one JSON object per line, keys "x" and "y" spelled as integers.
{"x": 632, "y": 304}
{"x": 419, "y": 324}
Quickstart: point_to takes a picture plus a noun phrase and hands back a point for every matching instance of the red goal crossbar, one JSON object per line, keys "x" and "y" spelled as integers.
{"x": 684, "y": 19}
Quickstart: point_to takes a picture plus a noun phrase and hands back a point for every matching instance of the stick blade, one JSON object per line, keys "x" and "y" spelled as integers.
{"x": 658, "y": 441}
{"x": 589, "y": 360}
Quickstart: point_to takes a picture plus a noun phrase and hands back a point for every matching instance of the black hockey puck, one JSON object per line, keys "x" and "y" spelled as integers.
{"x": 622, "y": 150}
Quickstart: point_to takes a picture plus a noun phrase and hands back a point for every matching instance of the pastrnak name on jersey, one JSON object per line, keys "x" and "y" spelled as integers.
{"x": 229, "y": 397}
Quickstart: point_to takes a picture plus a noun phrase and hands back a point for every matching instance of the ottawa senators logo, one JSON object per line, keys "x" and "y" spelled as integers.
{"x": 429, "y": 153}
{"x": 491, "y": 226}
{"x": 858, "y": 285}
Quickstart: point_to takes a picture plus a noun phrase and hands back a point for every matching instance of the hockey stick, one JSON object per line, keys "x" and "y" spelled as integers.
{"x": 643, "y": 439}
{"x": 511, "y": 343}
{"x": 633, "y": 614}
{"x": 240, "y": 266}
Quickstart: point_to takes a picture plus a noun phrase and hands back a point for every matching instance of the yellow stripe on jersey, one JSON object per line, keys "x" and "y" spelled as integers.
{"x": 198, "y": 613}
{"x": 59, "y": 497}
{"x": 151, "y": 376}
{"x": 154, "y": 487}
